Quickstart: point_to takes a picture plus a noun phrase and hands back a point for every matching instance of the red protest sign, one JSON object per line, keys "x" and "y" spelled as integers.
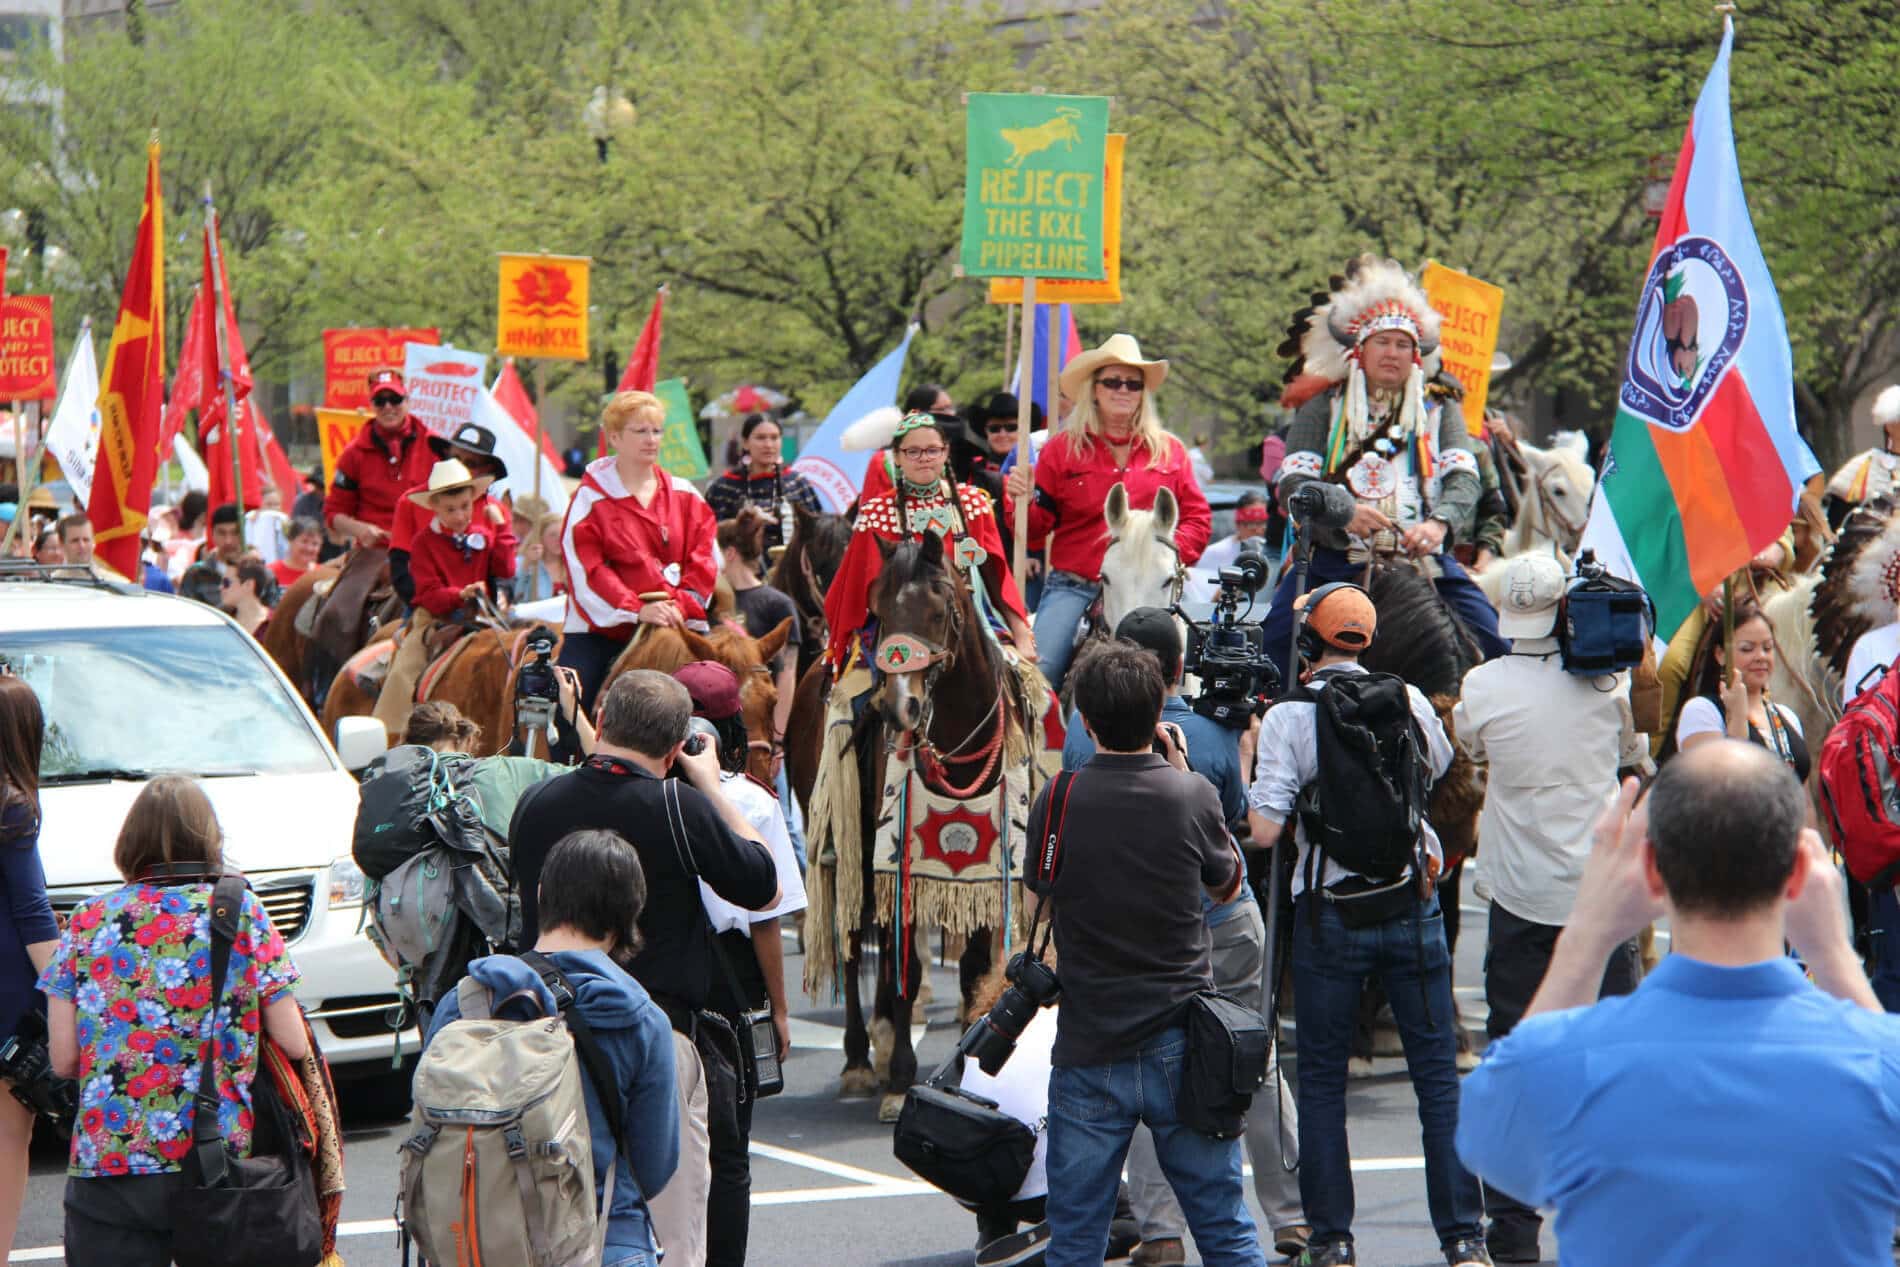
{"x": 26, "y": 348}
{"x": 350, "y": 355}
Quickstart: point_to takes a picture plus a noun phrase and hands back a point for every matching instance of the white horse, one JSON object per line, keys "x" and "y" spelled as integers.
{"x": 1142, "y": 566}
{"x": 1553, "y": 504}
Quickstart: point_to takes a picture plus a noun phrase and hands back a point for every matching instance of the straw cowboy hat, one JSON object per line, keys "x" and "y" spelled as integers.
{"x": 1120, "y": 349}
{"x": 450, "y": 476}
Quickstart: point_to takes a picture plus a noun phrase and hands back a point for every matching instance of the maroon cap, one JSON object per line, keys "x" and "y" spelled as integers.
{"x": 714, "y": 688}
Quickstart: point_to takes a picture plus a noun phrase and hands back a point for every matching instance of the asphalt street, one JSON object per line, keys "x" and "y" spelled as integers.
{"x": 825, "y": 1186}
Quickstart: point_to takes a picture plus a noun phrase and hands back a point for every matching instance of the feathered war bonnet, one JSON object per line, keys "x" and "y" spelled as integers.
{"x": 1324, "y": 338}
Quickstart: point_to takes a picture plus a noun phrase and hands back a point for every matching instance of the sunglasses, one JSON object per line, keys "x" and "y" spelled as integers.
{"x": 1122, "y": 384}
{"x": 995, "y": 427}
{"x": 386, "y": 402}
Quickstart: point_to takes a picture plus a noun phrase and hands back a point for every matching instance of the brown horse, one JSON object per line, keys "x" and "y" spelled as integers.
{"x": 281, "y": 639}
{"x": 804, "y": 572}
{"x": 669, "y": 650}
{"x": 945, "y": 707}
{"x": 359, "y": 602}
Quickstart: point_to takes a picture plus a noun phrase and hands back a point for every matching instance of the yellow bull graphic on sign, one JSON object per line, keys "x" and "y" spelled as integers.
{"x": 1026, "y": 142}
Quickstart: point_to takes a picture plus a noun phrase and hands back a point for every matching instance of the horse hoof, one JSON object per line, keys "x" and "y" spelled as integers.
{"x": 926, "y": 995}
{"x": 857, "y": 1083}
{"x": 1359, "y": 1067}
{"x": 883, "y": 1042}
{"x": 891, "y": 1105}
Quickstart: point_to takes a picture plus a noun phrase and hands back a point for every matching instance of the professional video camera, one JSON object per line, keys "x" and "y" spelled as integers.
{"x": 26, "y": 1063}
{"x": 537, "y": 690}
{"x": 1032, "y": 986}
{"x": 1229, "y": 654}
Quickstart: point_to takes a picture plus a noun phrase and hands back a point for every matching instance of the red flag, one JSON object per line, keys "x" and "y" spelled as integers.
{"x": 643, "y": 367}
{"x": 210, "y": 387}
{"x": 132, "y": 393}
{"x": 513, "y": 399}
{"x": 280, "y": 472}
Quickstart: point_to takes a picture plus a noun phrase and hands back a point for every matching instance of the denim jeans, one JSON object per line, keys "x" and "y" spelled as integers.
{"x": 1066, "y": 598}
{"x": 794, "y": 821}
{"x": 1093, "y": 1112}
{"x": 1883, "y": 916}
{"x": 1328, "y": 972}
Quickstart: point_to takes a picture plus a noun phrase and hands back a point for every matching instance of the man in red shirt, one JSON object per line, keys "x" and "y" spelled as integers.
{"x": 451, "y": 558}
{"x": 387, "y": 458}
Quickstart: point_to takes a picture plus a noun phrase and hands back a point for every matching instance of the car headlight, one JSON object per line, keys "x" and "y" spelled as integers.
{"x": 348, "y": 885}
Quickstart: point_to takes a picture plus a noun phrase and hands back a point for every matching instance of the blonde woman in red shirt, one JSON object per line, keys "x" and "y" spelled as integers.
{"x": 1112, "y": 435}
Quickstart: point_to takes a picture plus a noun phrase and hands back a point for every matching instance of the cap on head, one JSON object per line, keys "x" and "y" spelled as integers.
{"x": 1153, "y": 629}
{"x": 1341, "y": 615}
{"x": 382, "y": 381}
{"x": 1887, "y": 406}
{"x": 714, "y": 688}
{"x": 1532, "y": 596}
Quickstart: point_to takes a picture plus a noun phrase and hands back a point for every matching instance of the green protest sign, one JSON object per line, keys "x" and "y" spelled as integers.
{"x": 1032, "y": 195}
{"x": 680, "y": 453}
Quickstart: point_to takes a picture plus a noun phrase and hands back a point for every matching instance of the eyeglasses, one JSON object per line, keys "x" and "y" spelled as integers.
{"x": 1122, "y": 384}
{"x": 995, "y": 427}
{"x": 386, "y": 402}
{"x": 924, "y": 455}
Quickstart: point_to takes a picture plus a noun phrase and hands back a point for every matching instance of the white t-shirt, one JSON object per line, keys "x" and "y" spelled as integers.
{"x": 1878, "y": 646}
{"x": 1021, "y": 1089}
{"x": 761, "y": 810}
{"x": 1700, "y": 716}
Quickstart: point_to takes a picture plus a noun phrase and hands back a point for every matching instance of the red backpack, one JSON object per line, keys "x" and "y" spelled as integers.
{"x": 1860, "y": 782}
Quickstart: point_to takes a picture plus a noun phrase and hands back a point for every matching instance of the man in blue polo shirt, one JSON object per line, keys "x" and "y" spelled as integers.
{"x": 1729, "y": 1111}
{"x": 1239, "y": 953}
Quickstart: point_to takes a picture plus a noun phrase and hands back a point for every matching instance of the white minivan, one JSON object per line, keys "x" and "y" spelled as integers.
{"x": 135, "y": 684}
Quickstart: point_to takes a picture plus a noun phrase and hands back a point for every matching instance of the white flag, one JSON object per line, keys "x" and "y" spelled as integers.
{"x": 73, "y": 437}
{"x": 515, "y": 447}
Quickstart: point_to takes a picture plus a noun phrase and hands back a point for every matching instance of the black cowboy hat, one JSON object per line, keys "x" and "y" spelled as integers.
{"x": 474, "y": 438}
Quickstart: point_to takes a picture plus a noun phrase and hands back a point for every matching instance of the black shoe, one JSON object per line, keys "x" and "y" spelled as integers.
{"x": 1123, "y": 1235}
{"x": 1470, "y": 1252}
{"x": 1337, "y": 1254}
{"x": 1513, "y": 1249}
{"x": 1018, "y": 1249}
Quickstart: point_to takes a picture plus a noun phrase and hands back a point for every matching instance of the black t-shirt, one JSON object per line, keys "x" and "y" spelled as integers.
{"x": 676, "y": 961}
{"x": 762, "y": 607}
{"x": 1140, "y": 843}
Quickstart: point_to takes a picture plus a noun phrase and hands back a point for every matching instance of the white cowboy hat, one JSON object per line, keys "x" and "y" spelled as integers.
{"x": 449, "y": 476}
{"x": 1120, "y": 349}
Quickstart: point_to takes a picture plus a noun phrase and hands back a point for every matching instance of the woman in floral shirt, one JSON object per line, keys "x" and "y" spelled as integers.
{"x": 130, "y": 1011}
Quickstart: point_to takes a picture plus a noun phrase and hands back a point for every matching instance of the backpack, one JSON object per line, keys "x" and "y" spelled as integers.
{"x": 1605, "y": 623}
{"x": 441, "y": 885}
{"x": 1366, "y": 808}
{"x": 1860, "y": 782}
{"x": 499, "y": 1163}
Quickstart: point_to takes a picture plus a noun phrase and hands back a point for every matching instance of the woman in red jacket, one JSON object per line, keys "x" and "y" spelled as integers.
{"x": 641, "y": 545}
{"x": 1112, "y": 435}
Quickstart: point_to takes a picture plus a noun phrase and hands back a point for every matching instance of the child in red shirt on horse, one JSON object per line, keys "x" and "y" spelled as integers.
{"x": 452, "y": 558}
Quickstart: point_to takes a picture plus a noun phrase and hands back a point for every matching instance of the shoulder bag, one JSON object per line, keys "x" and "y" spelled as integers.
{"x": 256, "y": 1211}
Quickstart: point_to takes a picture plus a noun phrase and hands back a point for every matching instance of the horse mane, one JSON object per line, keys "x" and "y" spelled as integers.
{"x": 1419, "y": 637}
{"x": 821, "y": 538}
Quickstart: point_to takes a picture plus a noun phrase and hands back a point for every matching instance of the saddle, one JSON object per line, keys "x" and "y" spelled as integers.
{"x": 337, "y": 628}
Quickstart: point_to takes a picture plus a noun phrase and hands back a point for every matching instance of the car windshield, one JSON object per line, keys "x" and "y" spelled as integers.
{"x": 124, "y": 703}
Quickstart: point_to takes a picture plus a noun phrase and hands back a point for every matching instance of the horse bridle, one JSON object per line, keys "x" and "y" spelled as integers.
{"x": 1547, "y": 508}
{"x": 1177, "y": 581}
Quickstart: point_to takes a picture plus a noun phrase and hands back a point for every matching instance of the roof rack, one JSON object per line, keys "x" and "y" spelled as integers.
{"x": 63, "y": 574}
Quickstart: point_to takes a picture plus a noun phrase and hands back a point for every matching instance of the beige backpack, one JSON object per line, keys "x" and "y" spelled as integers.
{"x": 499, "y": 1163}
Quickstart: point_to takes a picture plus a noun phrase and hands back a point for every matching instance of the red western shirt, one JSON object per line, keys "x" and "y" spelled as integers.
{"x": 442, "y": 564}
{"x": 1072, "y": 488}
{"x": 375, "y": 470}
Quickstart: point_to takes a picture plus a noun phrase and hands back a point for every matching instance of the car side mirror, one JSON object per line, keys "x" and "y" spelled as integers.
{"x": 359, "y": 741}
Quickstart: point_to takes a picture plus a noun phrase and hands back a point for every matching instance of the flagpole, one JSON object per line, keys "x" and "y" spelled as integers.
{"x": 1009, "y": 346}
{"x": 540, "y": 398}
{"x": 1023, "y": 401}
{"x": 231, "y": 425}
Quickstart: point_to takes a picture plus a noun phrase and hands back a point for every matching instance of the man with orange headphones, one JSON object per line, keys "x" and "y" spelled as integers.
{"x": 1364, "y": 903}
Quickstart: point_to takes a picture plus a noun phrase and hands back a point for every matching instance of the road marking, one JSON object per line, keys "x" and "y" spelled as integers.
{"x": 822, "y": 1037}
{"x": 856, "y": 1192}
{"x": 823, "y": 1165}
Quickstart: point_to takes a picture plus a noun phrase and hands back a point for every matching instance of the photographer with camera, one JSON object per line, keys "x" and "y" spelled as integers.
{"x": 1122, "y": 865}
{"x": 1239, "y": 957}
{"x": 27, "y": 939}
{"x": 685, "y": 830}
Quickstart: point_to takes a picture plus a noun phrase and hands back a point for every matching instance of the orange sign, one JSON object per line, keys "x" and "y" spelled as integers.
{"x": 1468, "y": 335}
{"x": 1055, "y": 290}
{"x": 542, "y": 308}
{"x": 349, "y": 357}
{"x": 26, "y": 348}
{"x": 335, "y": 429}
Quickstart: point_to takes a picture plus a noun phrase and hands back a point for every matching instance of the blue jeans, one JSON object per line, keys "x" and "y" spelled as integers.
{"x": 1066, "y": 598}
{"x": 1883, "y": 916}
{"x": 1459, "y": 591}
{"x": 794, "y": 821}
{"x": 1093, "y": 1112}
{"x": 1328, "y": 972}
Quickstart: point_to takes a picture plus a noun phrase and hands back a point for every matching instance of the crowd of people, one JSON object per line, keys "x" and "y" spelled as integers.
{"x": 1180, "y": 855}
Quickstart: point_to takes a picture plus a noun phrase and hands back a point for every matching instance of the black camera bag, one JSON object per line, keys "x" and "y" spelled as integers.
{"x": 962, "y": 1143}
{"x": 1227, "y": 1047}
